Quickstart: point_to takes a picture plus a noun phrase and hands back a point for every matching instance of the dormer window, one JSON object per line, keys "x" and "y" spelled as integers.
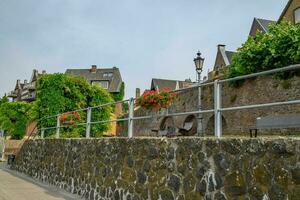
{"x": 108, "y": 75}
{"x": 103, "y": 84}
{"x": 297, "y": 15}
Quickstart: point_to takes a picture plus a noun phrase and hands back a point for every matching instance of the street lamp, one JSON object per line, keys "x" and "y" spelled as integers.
{"x": 199, "y": 61}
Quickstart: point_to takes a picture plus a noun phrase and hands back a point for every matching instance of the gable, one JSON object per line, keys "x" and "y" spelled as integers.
{"x": 220, "y": 62}
{"x": 288, "y": 12}
{"x": 255, "y": 28}
{"x": 261, "y": 25}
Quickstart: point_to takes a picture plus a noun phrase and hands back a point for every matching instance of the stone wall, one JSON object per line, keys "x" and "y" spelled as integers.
{"x": 167, "y": 169}
{"x": 253, "y": 91}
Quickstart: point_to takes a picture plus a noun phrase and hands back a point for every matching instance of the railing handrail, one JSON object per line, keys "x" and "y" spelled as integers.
{"x": 217, "y": 110}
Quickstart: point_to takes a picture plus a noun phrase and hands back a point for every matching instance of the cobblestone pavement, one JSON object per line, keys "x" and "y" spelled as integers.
{"x": 15, "y": 186}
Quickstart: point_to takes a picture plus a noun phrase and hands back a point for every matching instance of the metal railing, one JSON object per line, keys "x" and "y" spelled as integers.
{"x": 217, "y": 110}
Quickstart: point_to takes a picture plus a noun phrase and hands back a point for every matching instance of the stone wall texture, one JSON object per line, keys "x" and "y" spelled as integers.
{"x": 167, "y": 168}
{"x": 253, "y": 91}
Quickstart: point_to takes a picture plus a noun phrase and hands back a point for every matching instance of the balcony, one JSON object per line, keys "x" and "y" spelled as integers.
{"x": 28, "y": 97}
{"x": 12, "y": 94}
{"x": 29, "y": 86}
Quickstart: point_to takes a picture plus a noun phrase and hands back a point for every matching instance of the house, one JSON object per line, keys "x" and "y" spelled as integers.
{"x": 261, "y": 25}
{"x": 291, "y": 12}
{"x": 160, "y": 84}
{"x": 223, "y": 60}
{"x": 108, "y": 78}
{"x": 165, "y": 84}
{"x": 26, "y": 91}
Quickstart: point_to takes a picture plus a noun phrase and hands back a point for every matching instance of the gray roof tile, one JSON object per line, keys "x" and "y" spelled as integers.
{"x": 115, "y": 81}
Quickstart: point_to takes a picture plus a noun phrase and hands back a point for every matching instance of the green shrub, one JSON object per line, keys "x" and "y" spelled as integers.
{"x": 60, "y": 93}
{"x": 14, "y": 117}
{"x": 277, "y": 48}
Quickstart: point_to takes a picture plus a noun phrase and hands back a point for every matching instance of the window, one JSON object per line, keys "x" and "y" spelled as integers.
{"x": 108, "y": 74}
{"x": 103, "y": 84}
{"x": 297, "y": 15}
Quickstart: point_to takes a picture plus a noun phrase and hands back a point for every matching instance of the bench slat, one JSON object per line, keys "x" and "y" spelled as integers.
{"x": 280, "y": 121}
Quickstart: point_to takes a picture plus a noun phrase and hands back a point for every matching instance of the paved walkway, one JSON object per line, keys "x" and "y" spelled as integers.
{"x": 14, "y": 186}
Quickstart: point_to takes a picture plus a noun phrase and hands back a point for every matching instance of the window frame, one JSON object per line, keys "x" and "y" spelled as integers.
{"x": 99, "y": 82}
{"x": 294, "y": 15}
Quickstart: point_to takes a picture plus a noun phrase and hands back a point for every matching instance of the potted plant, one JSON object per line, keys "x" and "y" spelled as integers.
{"x": 152, "y": 99}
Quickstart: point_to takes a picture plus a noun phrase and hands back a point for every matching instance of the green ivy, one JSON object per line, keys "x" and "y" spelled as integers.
{"x": 277, "y": 48}
{"x": 14, "y": 117}
{"x": 119, "y": 96}
{"x": 59, "y": 93}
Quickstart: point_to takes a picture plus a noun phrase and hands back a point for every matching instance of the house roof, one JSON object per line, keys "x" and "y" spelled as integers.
{"x": 261, "y": 25}
{"x": 223, "y": 57}
{"x": 264, "y": 23}
{"x": 229, "y": 55}
{"x": 170, "y": 84}
{"x": 19, "y": 85}
{"x": 115, "y": 81}
{"x": 284, "y": 10}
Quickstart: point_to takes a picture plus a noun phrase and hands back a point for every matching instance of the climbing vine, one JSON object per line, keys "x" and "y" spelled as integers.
{"x": 14, "y": 117}
{"x": 60, "y": 93}
{"x": 119, "y": 96}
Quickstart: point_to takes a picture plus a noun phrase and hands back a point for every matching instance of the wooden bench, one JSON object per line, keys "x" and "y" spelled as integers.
{"x": 189, "y": 126}
{"x": 276, "y": 122}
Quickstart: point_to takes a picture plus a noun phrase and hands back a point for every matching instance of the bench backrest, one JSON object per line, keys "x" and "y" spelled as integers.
{"x": 280, "y": 121}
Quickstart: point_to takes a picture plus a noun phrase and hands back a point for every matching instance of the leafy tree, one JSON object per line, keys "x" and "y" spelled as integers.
{"x": 60, "y": 93}
{"x": 277, "y": 48}
{"x": 14, "y": 117}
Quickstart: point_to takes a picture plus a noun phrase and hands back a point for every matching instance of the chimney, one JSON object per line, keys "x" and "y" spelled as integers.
{"x": 177, "y": 85}
{"x": 137, "y": 92}
{"x": 93, "y": 69}
{"x": 221, "y": 47}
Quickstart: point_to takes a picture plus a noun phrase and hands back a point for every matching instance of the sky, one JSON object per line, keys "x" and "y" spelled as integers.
{"x": 145, "y": 39}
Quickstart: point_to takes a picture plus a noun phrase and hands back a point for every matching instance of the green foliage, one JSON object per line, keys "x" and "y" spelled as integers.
{"x": 4, "y": 99}
{"x": 119, "y": 96}
{"x": 14, "y": 117}
{"x": 277, "y": 48}
{"x": 60, "y": 93}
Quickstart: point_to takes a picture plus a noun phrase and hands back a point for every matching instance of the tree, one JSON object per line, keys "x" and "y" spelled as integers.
{"x": 14, "y": 117}
{"x": 277, "y": 48}
{"x": 60, "y": 93}
{"x": 4, "y": 99}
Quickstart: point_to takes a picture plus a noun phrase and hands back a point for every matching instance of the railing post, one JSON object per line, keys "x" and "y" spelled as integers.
{"x": 130, "y": 118}
{"x": 217, "y": 106}
{"x": 200, "y": 116}
{"x": 88, "y": 123}
{"x": 57, "y": 126}
{"x": 42, "y": 133}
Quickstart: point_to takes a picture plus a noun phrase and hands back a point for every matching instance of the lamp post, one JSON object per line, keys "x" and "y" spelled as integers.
{"x": 199, "y": 61}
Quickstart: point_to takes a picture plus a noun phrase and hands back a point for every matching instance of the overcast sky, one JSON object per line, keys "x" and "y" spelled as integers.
{"x": 145, "y": 38}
